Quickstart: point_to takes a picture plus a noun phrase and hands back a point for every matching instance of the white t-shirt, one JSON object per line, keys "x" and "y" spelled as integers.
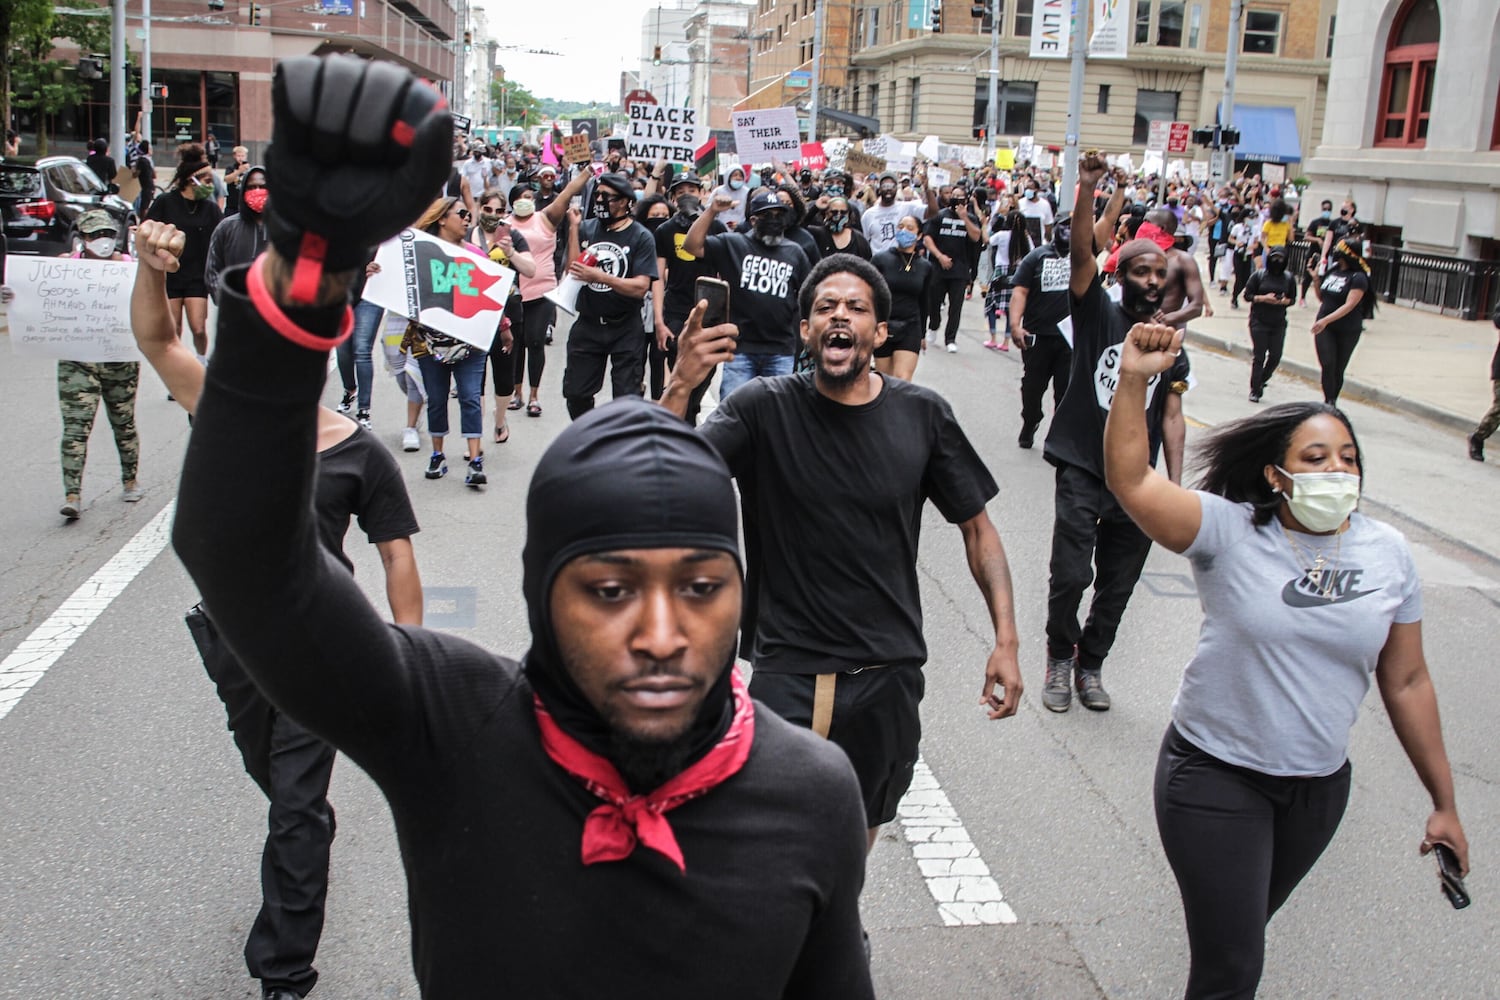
{"x": 1280, "y": 669}
{"x": 879, "y": 221}
{"x": 1039, "y": 209}
{"x": 477, "y": 173}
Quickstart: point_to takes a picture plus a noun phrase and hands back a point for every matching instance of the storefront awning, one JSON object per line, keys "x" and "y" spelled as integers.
{"x": 863, "y": 124}
{"x": 1267, "y": 134}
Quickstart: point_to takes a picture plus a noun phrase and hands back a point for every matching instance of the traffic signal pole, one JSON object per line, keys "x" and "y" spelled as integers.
{"x": 992, "y": 111}
{"x": 1075, "y": 104}
{"x": 817, "y": 70}
{"x": 1231, "y": 63}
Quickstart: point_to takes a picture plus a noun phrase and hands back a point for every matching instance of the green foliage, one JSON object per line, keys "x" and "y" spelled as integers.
{"x": 518, "y": 106}
{"x": 31, "y": 79}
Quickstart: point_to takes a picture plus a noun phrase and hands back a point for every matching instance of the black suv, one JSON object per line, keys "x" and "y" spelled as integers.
{"x": 41, "y": 200}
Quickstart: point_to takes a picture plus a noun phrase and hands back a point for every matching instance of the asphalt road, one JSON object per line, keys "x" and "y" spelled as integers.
{"x": 130, "y": 836}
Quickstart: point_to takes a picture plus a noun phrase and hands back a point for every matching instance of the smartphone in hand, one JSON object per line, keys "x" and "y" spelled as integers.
{"x": 716, "y": 293}
{"x": 1450, "y": 875}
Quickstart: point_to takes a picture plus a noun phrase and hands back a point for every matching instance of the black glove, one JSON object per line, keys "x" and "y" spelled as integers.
{"x": 358, "y": 150}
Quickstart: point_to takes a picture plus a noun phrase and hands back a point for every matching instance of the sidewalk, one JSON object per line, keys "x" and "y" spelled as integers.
{"x": 1433, "y": 367}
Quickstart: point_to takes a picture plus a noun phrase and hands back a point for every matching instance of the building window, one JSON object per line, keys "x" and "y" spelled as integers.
{"x": 1152, "y": 105}
{"x": 1142, "y": 22}
{"x": 1103, "y": 99}
{"x": 916, "y": 97}
{"x": 1332, "y": 20}
{"x": 1495, "y": 130}
{"x": 1262, "y": 33}
{"x": 874, "y": 26}
{"x": 1410, "y": 65}
{"x": 1016, "y": 106}
{"x": 1023, "y": 18}
{"x": 1169, "y": 18}
{"x": 1195, "y": 24}
{"x": 875, "y": 100}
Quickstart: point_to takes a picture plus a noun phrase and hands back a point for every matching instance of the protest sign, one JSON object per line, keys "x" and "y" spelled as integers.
{"x": 771, "y": 133}
{"x": 813, "y": 156}
{"x": 938, "y": 177}
{"x": 901, "y": 154}
{"x": 658, "y": 132}
{"x": 971, "y": 156}
{"x": 837, "y": 150}
{"x": 72, "y": 310}
{"x": 440, "y": 285}
{"x": 576, "y": 148}
{"x": 930, "y": 147}
{"x": 877, "y": 146}
{"x": 1199, "y": 169}
{"x": 863, "y": 163}
{"x": 1026, "y": 149}
{"x": 1005, "y": 158}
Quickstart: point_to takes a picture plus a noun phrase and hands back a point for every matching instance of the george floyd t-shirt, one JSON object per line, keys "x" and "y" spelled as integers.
{"x": 763, "y": 286}
{"x": 950, "y": 234}
{"x": 1077, "y": 433}
{"x": 625, "y": 253}
{"x": 1045, "y": 274}
{"x": 683, "y": 269}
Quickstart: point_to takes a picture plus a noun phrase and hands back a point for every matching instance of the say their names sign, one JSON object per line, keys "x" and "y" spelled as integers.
{"x": 72, "y": 310}
{"x": 658, "y": 132}
{"x": 769, "y": 134}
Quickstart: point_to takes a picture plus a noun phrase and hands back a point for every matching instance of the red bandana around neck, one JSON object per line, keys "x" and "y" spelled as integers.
{"x": 611, "y": 831}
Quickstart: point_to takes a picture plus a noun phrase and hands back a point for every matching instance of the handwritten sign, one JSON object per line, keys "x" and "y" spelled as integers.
{"x": 658, "y": 132}
{"x": 576, "y": 148}
{"x": 72, "y": 310}
{"x": 813, "y": 156}
{"x": 761, "y": 136}
{"x": 440, "y": 285}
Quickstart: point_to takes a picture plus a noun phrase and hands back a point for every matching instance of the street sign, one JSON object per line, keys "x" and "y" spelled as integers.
{"x": 638, "y": 97}
{"x": 799, "y": 79}
{"x": 586, "y": 126}
{"x": 1160, "y": 134}
{"x": 1218, "y": 165}
{"x": 1180, "y": 134}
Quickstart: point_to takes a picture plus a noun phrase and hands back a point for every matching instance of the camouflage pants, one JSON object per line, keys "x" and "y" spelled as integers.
{"x": 80, "y": 387}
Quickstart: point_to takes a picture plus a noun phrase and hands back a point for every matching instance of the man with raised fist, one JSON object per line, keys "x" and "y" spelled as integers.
{"x": 623, "y": 772}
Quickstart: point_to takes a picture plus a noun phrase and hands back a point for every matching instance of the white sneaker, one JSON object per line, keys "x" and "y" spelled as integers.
{"x": 410, "y": 441}
{"x": 952, "y": 348}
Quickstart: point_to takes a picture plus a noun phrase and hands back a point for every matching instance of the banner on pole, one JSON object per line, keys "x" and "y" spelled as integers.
{"x": 440, "y": 285}
{"x": 1111, "y": 36}
{"x": 72, "y": 310}
{"x": 658, "y": 132}
{"x": 771, "y": 133}
{"x": 1050, "y": 29}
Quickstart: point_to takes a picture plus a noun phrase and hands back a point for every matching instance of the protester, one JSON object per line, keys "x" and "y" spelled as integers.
{"x": 738, "y": 194}
{"x": 507, "y": 247}
{"x": 909, "y": 276}
{"x": 101, "y": 163}
{"x": 241, "y": 237}
{"x": 833, "y": 488}
{"x": 232, "y": 178}
{"x": 765, "y": 272}
{"x": 1090, "y": 529}
{"x": 1039, "y": 313}
{"x": 1038, "y": 212}
{"x": 83, "y": 385}
{"x": 838, "y": 234}
{"x": 1254, "y": 764}
{"x": 541, "y": 227}
{"x": 796, "y": 232}
{"x": 879, "y": 221}
{"x": 1007, "y": 248}
{"x": 1345, "y": 303}
{"x": 951, "y": 237}
{"x": 624, "y": 770}
{"x": 190, "y": 207}
{"x": 651, "y": 211}
{"x": 1182, "y": 297}
{"x": 145, "y": 175}
{"x": 679, "y": 271}
{"x": 1491, "y": 419}
{"x": 1269, "y": 293}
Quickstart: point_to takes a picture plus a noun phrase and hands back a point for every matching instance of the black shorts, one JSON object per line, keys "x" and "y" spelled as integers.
{"x": 875, "y": 720}
{"x": 186, "y": 287}
{"x": 902, "y": 337}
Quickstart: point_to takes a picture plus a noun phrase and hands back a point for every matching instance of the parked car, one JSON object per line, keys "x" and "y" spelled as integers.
{"x": 41, "y": 200}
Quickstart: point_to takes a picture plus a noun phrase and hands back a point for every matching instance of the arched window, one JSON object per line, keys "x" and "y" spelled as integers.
{"x": 1410, "y": 66}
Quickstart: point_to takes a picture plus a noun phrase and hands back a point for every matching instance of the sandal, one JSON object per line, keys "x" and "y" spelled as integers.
{"x": 502, "y": 434}
{"x": 533, "y": 409}
{"x": 514, "y": 404}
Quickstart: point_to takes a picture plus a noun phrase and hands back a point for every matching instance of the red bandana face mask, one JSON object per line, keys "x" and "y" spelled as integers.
{"x": 611, "y": 831}
{"x": 255, "y": 199}
{"x": 1151, "y": 231}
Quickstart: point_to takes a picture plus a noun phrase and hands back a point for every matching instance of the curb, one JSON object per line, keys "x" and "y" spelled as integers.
{"x": 1353, "y": 388}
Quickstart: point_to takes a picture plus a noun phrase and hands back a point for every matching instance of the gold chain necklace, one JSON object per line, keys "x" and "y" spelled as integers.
{"x": 1316, "y": 572}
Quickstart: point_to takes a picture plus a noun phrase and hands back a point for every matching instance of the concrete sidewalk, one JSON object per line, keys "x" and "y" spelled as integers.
{"x": 1433, "y": 367}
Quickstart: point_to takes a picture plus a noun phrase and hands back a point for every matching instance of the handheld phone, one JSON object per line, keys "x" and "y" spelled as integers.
{"x": 1449, "y": 874}
{"x": 716, "y": 293}
{"x": 1028, "y": 341}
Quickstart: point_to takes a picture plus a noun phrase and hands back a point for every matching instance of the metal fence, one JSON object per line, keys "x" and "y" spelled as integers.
{"x": 1456, "y": 286}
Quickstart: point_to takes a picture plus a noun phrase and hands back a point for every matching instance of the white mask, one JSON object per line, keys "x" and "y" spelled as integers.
{"x": 1322, "y": 501}
{"x": 104, "y": 246}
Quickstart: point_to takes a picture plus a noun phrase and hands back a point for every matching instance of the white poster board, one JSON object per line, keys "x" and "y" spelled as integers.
{"x": 901, "y": 154}
{"x": 440, "y": 285}
{"x": 771, "y": 133}
{"x": 938, "y": 177}
{"x": 1026, "y": 149}
{"x": 657, "y": 131}
{"x": 71, "y": 310}
{"x": 929, "y": 148}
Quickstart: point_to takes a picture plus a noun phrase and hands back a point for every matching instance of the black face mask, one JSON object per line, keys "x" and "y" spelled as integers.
{"x": 1062, "y": 234}
{"x": 652, "y": 223}
{"x": 1276, "y": 264}
{"x": 770, "y": 227}
{"x": 689, "y": 206}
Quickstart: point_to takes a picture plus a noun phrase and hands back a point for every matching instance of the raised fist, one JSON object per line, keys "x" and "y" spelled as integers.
{"x": 723, "y": 203}
{"x": 159, "y": 245}
{"x": 358, "y": 149}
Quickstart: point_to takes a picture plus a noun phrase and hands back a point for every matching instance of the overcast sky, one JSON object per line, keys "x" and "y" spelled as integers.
{"x": 598, "y": 39}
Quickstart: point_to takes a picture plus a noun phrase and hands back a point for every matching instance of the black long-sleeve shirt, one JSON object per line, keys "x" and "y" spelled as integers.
{"x": 490, "y": 829}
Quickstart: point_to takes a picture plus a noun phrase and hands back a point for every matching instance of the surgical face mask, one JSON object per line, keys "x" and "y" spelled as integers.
{"x": 1321, "y": 501}
{"x": 523, "y": 208}
{"x": 836, "y": 223}
{"x": 1031, "y": 196}
{"x": 1327, "y": 213}
{"x": 101, "y": 246}
{"x": 255, "y": 199}
{"x": 906, "y": 239}
{"x": 735, "y": 185}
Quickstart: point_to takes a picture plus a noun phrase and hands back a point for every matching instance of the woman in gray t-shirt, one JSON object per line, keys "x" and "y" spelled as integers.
{"x": 1304, "y": 599}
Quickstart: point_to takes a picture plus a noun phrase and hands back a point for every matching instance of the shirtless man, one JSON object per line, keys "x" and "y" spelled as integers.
{"x": 1182, "y": 297}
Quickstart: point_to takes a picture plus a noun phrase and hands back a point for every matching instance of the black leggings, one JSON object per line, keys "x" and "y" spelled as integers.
{"x": 1335, "y": 348}
{"x": 1238, "y": 841}
{"x": 1266, "y": 344}
{"x": 538, "y": 317}
{"x": 1243, "y": 266}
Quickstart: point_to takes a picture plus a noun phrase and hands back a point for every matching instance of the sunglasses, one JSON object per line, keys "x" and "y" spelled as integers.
{"x": 463, "y": 213}
{"x": 1343, "y": 211}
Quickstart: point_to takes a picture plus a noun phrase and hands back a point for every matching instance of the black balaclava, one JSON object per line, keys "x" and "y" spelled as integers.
{"x": 627, "y": 475}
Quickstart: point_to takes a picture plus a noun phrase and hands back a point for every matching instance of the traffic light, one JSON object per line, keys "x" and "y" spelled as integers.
{"x": 1204, "y": 136}
{"x": 656, "y": 56}
{"x": 980, "y": 9}
{"x": 1229, "y": 137}
{"x": 937, "y": 15}
{"x": 468, "y": 40}
{"x": 255, "y": 13}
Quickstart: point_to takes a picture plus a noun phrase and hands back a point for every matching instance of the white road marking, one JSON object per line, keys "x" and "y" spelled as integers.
{"x": 23, "y": 668}
{"x": 959, "y": 880}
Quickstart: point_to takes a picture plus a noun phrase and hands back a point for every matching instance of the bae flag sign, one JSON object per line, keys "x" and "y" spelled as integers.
{"x": 441, "y": 286}
{"x": 1050, "y": 29}
{"x": 657, "y": 132}
{"x": 769, "y": 134}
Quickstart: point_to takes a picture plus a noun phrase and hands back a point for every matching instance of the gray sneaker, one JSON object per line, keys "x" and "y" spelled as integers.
{"x": 1058, "y": 694}
{"x": 1091, "y": 693}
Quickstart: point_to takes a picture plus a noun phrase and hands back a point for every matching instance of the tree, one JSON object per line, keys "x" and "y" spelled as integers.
{"x": 519, "y": 106}
{"x": 41, "y": 84}
{"x": 19, "y": 19}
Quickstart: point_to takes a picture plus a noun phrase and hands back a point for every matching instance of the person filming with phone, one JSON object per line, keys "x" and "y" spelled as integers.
{"x": 1305, "y": 599}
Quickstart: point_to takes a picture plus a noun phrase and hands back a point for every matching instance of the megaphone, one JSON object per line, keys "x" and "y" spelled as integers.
{"x": 565, "y": 295}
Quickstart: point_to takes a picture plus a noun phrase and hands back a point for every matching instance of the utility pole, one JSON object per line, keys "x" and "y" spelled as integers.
{"x": 459, "y": 61}
{"x": 117, "y": 109}
{"x": 146, "y": 75}
{"x": 1231, "y": 63}
{"x": 992, "y": 111}
{"x": 819, "y": 16}
{"x": 1079, "y": 36}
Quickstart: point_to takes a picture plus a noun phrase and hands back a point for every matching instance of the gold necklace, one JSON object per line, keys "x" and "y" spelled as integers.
{"x": 1315, "y": 572}
{"x": 911, "y": 258}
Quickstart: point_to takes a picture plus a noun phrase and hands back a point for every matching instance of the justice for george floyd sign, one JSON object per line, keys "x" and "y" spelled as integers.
{"x": 657, "y": 132}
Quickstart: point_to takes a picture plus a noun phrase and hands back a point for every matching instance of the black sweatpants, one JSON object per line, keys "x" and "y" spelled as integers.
{"x": 1334, "y": 351}
{"x": 1266, "y": 343}
{"x": 1243, "y": 267}
{"x": 1090, "y": 530}
{"x": 530, "y": 350}
{"x": 1050, "y": 359}
{"x": 590, "y": 347}
{"x": 952, "y": 290}
{"x": 293, "y": 768}
{"x": 1239, "y": 842}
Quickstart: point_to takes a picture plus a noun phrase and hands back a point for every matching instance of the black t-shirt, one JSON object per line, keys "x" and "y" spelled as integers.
{"x": 1077, "y": 433}
{"x": 625, "y": 253}
{"x": 1336, "y": 287}
{"x": 196, "y": 220}
{"x": 832, "y": 499}
{"x": 804, "y": 239}
{"x": 358, "y": 477}
{"x": 858, "y": 245}
{"x": 1263, "y": 282}
{"x": 683, "y": 269}
{"x": 763, "y": 286}
{"x": 1317, "y": 227}
{"x": 951, "y": 236}
{"x": 910, "y": 281}
{"x": 1045, "y": 274}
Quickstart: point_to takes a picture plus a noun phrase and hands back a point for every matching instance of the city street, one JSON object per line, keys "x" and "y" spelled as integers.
{"x": 130, "y": 836}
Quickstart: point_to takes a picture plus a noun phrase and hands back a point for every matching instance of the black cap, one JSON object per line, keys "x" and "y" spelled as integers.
{"x": 686, "y": 177}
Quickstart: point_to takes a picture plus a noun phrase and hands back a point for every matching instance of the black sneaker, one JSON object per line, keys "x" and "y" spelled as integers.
{"x": 438, "y": 467}
{"x": 1476, "y": 447}
{"x": 1028, "y": 435}
{"x": 476, "y": 476}
{"x": 1091, "y": 693}
{"x": 347, "y": 403}
{"x": 1255, "y": 397}
{"x": 1057, "y": 695}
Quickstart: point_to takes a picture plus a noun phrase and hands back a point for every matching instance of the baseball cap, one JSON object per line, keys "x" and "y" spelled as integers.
{"x": 686, "y": 177}
{"x": 97, "y": 221}
{"x": 764, "y": 201}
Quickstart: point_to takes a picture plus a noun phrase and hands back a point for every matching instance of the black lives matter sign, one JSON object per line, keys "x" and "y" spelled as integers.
{"x": 658, "y": 133}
